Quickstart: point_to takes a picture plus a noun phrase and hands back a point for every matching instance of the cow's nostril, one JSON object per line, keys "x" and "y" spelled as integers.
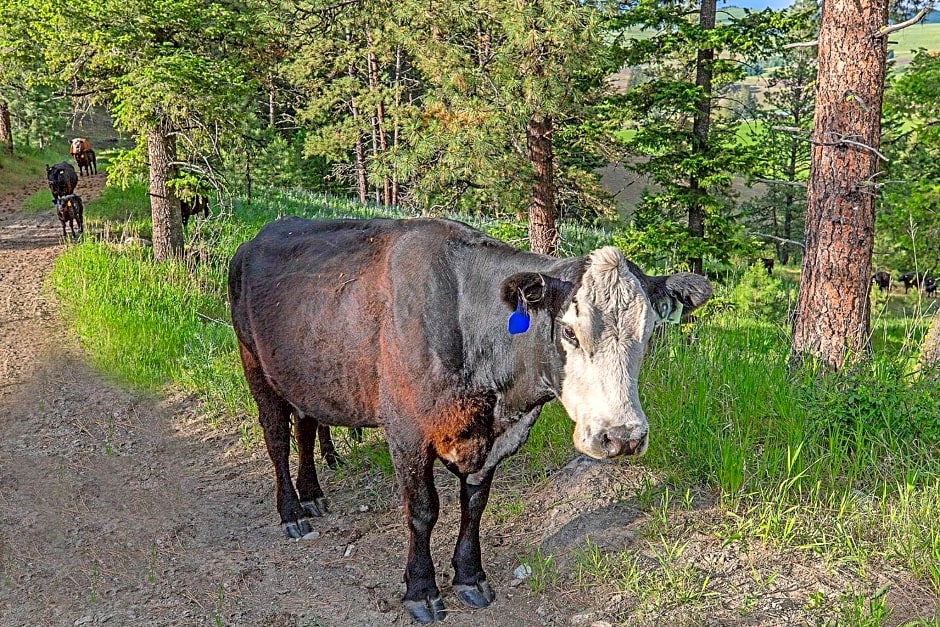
{"x": 613, "y": 446}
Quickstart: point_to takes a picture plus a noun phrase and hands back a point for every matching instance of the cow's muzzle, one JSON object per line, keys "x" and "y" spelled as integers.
{"x": 616, "y": 442}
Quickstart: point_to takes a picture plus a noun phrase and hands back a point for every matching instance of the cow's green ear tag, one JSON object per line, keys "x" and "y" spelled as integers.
{"x": 676, "y": 314}
{"x": 519, "y": 319}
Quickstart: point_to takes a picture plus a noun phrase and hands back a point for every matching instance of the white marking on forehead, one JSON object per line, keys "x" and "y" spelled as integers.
{"x": 610, "y": 304}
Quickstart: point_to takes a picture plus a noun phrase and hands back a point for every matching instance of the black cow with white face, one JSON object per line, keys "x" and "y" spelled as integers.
{"x": 451, "y": 341}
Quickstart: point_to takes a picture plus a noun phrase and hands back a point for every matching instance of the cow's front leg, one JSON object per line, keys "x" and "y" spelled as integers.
{"x": 470, "y": 583}
{"x": 413, "y": 467}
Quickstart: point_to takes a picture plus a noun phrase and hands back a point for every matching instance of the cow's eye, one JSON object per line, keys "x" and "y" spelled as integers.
{"x": 568, "y": 334}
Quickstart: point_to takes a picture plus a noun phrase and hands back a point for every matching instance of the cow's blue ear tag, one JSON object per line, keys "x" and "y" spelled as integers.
{"x": 519, "y": 319}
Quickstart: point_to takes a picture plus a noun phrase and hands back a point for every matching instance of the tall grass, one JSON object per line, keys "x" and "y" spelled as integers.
{"x": 842, "y": 465}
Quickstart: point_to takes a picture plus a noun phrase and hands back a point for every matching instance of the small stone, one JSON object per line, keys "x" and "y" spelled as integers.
{"x": 313, "y": 535}
{"x": 349, "y": 550}
{"x": 514, "y": 582}
{"x": 84, "y": 620}
{"x": 581, "y": 619}
{"x": 523, "y": 571}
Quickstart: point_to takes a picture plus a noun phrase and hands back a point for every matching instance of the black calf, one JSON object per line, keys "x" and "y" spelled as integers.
{"x": 882, "y": 280}
{"x": 70, "y": 209}
{"x": 199, "y": 204}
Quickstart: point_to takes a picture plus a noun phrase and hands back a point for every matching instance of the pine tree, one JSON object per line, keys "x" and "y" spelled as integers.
{"x": 833, "y": 310}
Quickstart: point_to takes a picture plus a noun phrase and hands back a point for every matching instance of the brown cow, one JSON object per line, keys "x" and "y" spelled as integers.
{"x": 85, "y": 158}
{"x": 78, "y": 146}
{"x": 403, "y": 324}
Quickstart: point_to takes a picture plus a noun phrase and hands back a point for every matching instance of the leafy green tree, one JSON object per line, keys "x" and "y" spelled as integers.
{"x": 690, "y": 62}
{"x": 35, "y": 110}
{"x": 478, "y": 106}
{"x": 781, "y": 128}
{"x": 908, "y": 218}
{"x": 510, "y": 86}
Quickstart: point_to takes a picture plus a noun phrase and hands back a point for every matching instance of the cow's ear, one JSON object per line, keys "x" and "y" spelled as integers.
{"x": 534, "y": 290}
{"x": 675, "y": 294}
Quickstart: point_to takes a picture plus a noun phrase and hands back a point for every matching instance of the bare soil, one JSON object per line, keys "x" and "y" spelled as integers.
{"x": 123, "y": 509}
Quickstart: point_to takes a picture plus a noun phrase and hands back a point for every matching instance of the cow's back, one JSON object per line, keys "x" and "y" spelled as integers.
{"x": 325, "y": 307}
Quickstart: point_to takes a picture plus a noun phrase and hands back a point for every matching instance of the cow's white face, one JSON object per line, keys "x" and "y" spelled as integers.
{"x": 603, "y": 333}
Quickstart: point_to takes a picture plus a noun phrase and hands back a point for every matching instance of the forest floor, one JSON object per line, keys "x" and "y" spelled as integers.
{"x": 120, "y": 508}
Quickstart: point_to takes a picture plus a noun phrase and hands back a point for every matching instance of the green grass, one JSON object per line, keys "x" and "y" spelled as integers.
{"x": 841, "y": 466}
{"x": 26, "y": 167}
{"x": 906, "y": 41}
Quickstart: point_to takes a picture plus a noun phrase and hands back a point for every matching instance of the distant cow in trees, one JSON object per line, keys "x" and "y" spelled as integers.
{"x": 912, "y": 279}
{"x": 87, "y": 162}
{"x": 930, "y": 286}
{"x": 199, "y": 204}
{"x": 882, "y": 280}
{"x": 62, "y": 179}
{"x": 768, "y": 264}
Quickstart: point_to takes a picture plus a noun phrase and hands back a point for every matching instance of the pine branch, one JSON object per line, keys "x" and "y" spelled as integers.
{"x": 782, "y": 240}
{"x": 800, "y": 44}
{"x": 902, "y": 25}
{"x": 780, "y": 182}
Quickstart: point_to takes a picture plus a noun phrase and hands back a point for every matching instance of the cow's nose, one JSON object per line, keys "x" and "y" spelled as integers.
{"x": 619, "y": 442}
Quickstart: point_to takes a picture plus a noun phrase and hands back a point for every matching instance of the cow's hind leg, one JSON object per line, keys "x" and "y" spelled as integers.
{"x": 413, "y": 467}
{"x": 308, "y": 486}
{"x": 274, "y": 415}
{"x": 327, "y": 449}
{"x": 470, "y": 583}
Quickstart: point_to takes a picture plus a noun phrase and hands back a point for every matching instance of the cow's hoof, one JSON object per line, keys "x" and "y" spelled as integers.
{"x": 427, "y": 610}
{"x": 316, "y": 507}
{"x": 334, "y": 461}
{"x": 480, "y": 595}
{"x": 297, "y": 529}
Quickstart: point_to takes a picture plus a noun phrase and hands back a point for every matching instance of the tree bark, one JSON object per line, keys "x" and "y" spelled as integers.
{"x": 543, "y": 233}
{"x": 164, "y": 205}
{"x": 700, "y": 126}
{"x": 833, "y": 311}
{"x": 6, "y": 128}
{"x": 930, "y": 351}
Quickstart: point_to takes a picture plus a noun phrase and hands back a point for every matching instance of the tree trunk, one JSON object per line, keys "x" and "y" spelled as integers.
{"x": 930, "y": 351}
{"x": 272, "y": 115}
{"x": 164, "y": 205}
{"x": 543, "y": 234}
{"x": 360, "y": 151}
{"x": 700, "y": 126}
{"x": 833, "y": 311}
{"x": 6, "y": 129}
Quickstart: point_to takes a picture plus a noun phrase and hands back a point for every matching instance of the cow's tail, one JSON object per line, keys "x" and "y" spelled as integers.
{"x": 237, "y": 304}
